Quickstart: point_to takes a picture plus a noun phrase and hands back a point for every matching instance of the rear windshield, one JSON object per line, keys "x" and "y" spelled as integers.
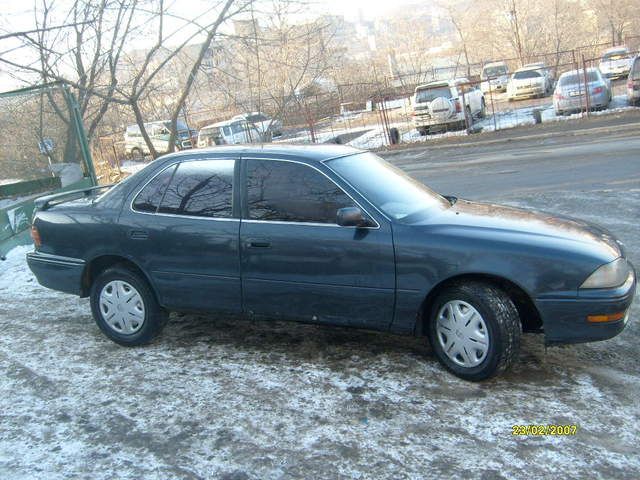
{"x": 429, "y": 94}
{"x": 494, "y": 71}
{"x": 578, "y": 78}
{"x": 526, "y": 74}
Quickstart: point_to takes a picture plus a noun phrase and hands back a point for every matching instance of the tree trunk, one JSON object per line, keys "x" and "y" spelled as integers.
{"x": 143, "y": 130}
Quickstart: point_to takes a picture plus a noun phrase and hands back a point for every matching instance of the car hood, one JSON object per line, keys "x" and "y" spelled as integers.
{"x": 530, "y": 227}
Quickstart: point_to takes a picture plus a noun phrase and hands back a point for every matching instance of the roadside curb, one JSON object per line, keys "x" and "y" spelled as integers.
{"x": 536, "y": 136}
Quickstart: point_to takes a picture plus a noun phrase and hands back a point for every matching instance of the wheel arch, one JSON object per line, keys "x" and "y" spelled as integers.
{"x": 99, "y": 264}
{"x": 529, "y": 315}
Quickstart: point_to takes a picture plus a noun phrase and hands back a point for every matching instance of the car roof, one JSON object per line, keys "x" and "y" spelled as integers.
{"x": 616, "y": 49}
{"x": 495, "y": 64}
{"x": 312, "y": 153}
{"x": 444, "y": 83}
{"x": 220, "y": 124}
{"x": 528, "y": 67}
{"x": 573, "y": 72}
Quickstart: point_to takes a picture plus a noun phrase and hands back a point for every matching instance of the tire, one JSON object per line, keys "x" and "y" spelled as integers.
{"x": 137, "y": 328}
{"x": 501, "y": 326}
{"x": 423, "y": 131}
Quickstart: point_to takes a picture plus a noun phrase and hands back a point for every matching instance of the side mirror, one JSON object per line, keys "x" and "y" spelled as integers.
{"x": 351, "y": 217}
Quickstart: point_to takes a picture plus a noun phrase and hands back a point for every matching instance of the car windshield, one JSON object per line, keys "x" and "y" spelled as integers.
{"x": 576, "y": 79}
{"x": 431, "y": 93}
{"x": 391, "y": 190}
{"x": 526, "y": 74}
{"x": 494, "y": 71}
{"x": 615, "y": 56}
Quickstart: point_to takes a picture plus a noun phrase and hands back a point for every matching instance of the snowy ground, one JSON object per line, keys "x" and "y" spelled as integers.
{"x": 230, "y": 399}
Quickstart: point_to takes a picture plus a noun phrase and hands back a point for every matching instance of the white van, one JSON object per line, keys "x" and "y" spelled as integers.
{"x": 229, "y": 132}
{"x": 159, "y": 132}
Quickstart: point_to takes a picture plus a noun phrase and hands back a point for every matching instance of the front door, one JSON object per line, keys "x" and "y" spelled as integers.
{"x": 182, "y": 230}
{"x": 298, "y": 263}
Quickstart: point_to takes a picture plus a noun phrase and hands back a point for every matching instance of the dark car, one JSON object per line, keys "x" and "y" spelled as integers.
{"x": 330, "y": 235}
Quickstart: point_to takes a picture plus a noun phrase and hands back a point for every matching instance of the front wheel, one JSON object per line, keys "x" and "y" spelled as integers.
{"x": 474, "y": 330}
{"x": 125, "y": 308}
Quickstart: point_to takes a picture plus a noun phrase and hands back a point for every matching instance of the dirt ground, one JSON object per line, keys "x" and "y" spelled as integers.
{"x": 230, "y": 399}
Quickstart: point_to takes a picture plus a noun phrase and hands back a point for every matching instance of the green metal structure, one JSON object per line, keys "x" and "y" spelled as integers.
{"x": 43, "y": 149}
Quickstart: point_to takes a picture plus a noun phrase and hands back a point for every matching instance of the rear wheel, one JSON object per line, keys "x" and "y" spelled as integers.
{"x": 125, "y": 308}
{"x": 475, "y": 330}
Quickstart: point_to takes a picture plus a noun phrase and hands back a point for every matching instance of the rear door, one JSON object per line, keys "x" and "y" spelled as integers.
{"x": 182, "y": 228}
{"x": 298, "y": 263}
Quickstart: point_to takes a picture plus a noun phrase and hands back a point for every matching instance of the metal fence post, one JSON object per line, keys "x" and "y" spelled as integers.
{"x": 586, "y": 85}
{"x": 82, "y": 138}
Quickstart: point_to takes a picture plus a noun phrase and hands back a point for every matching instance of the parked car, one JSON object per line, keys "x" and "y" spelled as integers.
{"x": 159, "y": 133}
{"x": 230, "y": 132}
{"x": 633, "y": 82}
{"x": 495, "y": 77}
{"x": 615, "y": 62}
{"x": 331, "y": 235}
{"x": 438, "y": 105}
{"x": 263, "y": 123}
{"x": 529, "y": 81}
{"x": 569, "y": 95}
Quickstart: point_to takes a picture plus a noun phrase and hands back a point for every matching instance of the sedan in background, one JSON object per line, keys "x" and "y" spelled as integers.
{"x": 615, "y": 62}
{"x": 495, "y": 77}
{"x": 570, "y": 97}
{"x": 527, "y": 82}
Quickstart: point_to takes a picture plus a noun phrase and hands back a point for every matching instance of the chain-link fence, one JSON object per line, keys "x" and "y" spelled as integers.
{"x": 494, "y": 96}
{"x": 42, "y": 149}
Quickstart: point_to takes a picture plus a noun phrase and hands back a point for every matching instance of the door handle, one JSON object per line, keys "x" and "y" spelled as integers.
{"x": 258, "y": 243}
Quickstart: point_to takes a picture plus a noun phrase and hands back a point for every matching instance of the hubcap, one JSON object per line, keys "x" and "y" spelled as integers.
{"x": 122, "y": 307}
{"x": 462, "y": 333}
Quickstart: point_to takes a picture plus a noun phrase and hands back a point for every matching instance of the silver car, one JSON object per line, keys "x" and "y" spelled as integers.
{"x": 569, "y": 95}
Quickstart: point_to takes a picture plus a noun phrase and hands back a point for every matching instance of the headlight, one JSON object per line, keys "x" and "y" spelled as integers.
{"x": 609, "y": 275}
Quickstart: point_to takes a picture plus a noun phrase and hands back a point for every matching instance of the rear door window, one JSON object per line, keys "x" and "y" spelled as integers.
{"x": 151, "y": 195}
{"x": 202, "y": 188}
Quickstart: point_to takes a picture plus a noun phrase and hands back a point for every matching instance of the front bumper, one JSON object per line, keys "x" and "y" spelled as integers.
{"x": 56, "y": 272}
{"x": 526, "y": 92}
{"x": 616, "y": 73}
{"x": 565, "y": 319}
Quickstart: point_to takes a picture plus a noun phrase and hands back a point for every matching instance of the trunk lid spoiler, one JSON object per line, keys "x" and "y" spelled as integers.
{"x": 43, "y": 203}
